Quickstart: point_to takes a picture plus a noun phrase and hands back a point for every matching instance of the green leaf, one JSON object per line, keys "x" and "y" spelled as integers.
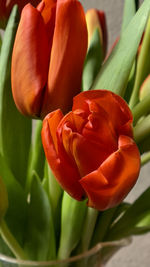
{"x": 0, "y": 42}
{"x": 15, "y": 130}
{"x": 11, "y": 241}
{"x": 72, "y": 221}
{"x": 93, "y": 61}
{"x": 16, "y": 213}
{"x": 54, "y": 192}
{"x": 144, "y": 145}
{"x": 141, "y": 109}
{"x": 127, "y": 224}
{"x": 143, "y": 66}
{"x": 142, "y": 130}
{"x": 130, "y": 83}
{"x": 37, "y": 156}
{"x": 128, "y": 13}
{"x": 115, "y": 72}
{"x": 121, "y": 209}
{"x": 4, "y": 249}
{"x": 40, "y": 239}
{"x": 3, "y": 199}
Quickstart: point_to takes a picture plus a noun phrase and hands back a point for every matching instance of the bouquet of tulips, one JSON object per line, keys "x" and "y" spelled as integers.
{"x": 74, "y": 128}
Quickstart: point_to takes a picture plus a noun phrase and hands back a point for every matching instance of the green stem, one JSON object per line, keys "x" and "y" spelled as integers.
{"x": 143, "y": 66}
{"x": 54, "y": 190}
{"x": 105, "y": 219}
{"x": 55, "y": 193}
{"x": 37, "y": 156}
{"x": 72, "y": 221}
{"x": 145, "y": 158}
{"x": 141, "y": 108}
{"x": 88, "y": 229}
{"x": 142, "y": 129}
{"x": 11, "y": 241}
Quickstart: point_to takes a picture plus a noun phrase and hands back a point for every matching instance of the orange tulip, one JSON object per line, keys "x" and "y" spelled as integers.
{"x": 96, "y": 19}
{"x": 7, "y": 5}
{"x": 91, "y": 149}
{"x": 48, "y": 56}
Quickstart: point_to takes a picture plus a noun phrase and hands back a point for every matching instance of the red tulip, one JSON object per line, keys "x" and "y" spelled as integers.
{"x": 91, "y": 149}
{"x": 48, "y": 56}
{"x": 7, "y": 5}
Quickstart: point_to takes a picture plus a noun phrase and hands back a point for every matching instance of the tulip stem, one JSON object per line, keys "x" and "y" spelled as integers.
{"x": 142, "y": 129}
{"x": 102, "y": 226}
{"x": 145, "y": 158}
{"x": 37, "y": 157}
{"x": 88, "y": 229}
{"x": 11, "y": 241}
{"x": 141, "y": 109}
{"x": 72, "y": 221}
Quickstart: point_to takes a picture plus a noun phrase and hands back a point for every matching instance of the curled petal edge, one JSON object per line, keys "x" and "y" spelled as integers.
{"x": 107, "y": 186}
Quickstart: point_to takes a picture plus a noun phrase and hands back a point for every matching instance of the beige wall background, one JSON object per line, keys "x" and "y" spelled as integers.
{"x": 138, "y": 253}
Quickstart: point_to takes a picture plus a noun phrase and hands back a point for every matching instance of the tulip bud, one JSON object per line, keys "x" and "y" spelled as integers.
{"x": 145, "y": 88}
{"x": 48, "y": 57}
{"x": 91, "y": 149}
{"x": 96, "y": 19}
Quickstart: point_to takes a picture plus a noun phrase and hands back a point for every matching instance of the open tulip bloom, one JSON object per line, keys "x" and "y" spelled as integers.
{"x": 64, "y": 178}
{"x": 91, "y": 150}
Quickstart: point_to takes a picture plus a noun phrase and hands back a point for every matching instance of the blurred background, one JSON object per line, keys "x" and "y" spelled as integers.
{"x": 138, "y": 253}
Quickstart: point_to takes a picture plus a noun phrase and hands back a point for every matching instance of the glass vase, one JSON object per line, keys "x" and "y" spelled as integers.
{"x": 97, "y": 256}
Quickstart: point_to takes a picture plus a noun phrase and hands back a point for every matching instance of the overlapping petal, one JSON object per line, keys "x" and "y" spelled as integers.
{"x": 61, "y": 165}
{"x": 30, "y": 62}
{"x": 121, "y": 117}
{"x": 67, "y": 56}
{"x": 48, "y": 56}
{"x": 110, "y": 183}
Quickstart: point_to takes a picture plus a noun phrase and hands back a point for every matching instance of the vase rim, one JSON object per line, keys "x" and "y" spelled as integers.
{"x": 88, "y": 253}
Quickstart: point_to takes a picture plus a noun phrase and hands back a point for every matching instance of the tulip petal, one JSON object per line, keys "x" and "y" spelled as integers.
{"x": 111, "y": 182}
{"x": 61, "y": 165}
{"x": 30, "y": 62}
{"x": 100, "y": 128}
{"x": 117, "y": 109}
{"x": 49, "y": 8}
{"x": 86, "y": 146}
{"x": 88, "y": 155}
{"x": 67, "y": 56}
{"x": 2, "y": 9}
{"x": 48, "y": 13}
